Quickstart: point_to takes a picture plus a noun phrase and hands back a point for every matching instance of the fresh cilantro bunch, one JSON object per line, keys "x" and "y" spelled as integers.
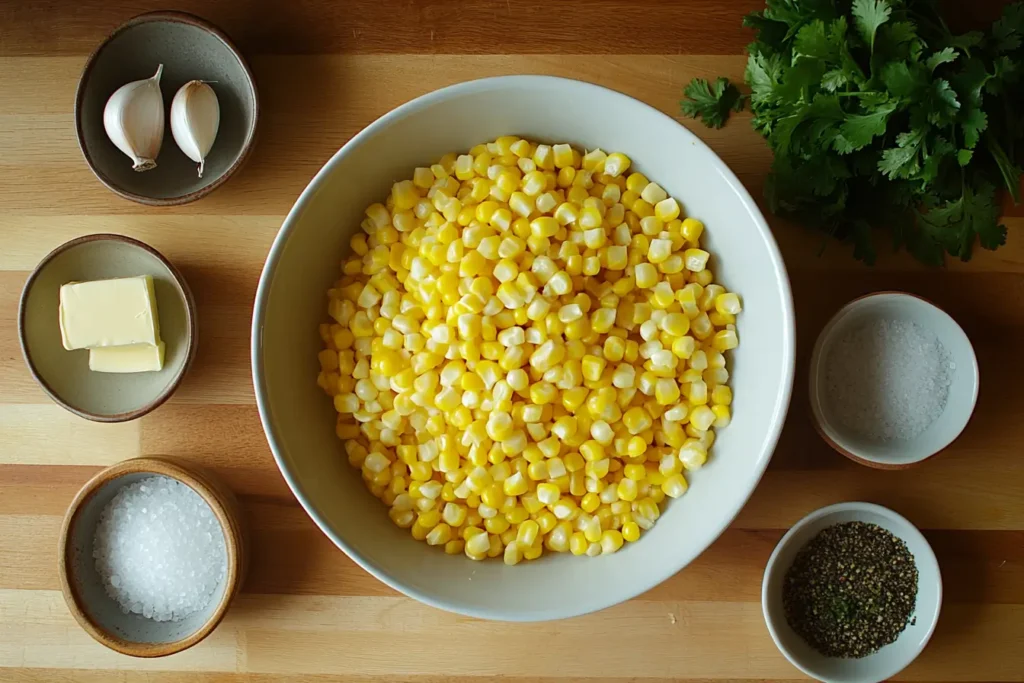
{"x": 880, "y": 117}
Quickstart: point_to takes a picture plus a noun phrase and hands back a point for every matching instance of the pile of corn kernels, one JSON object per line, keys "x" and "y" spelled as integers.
{"x": 527, "y": 351}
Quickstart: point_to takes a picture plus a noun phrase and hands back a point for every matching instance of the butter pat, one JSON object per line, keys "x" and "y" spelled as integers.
{"x": 109, "y": 313}
{"x": 131, "y": 358}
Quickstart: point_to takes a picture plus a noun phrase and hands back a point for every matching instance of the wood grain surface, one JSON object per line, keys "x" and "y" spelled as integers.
{"x": 327, "y": 69}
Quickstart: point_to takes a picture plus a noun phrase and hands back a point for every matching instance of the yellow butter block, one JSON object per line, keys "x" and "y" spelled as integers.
{"x": 131, "y": 358}
{"x": 104, "y": 313}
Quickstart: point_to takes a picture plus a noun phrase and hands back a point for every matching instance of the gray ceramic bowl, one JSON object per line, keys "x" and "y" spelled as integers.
{"x": 65, "y": 375}
{"x": 190, "y": 49}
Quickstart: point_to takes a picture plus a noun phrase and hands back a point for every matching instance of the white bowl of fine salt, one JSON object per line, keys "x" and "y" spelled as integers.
{"x": 893, "y": 380}
{"x": 152, "y": 552}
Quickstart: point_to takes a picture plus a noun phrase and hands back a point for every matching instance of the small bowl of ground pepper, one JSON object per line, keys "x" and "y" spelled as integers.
{"x": 852, "y": 593}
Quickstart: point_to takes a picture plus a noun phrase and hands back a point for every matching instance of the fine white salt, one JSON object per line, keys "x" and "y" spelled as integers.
{"x": 159, "y": 549}
{"x": 888, "y": 379}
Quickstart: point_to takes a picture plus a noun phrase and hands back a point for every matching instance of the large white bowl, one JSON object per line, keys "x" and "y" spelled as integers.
{"x": 304, "y": 260}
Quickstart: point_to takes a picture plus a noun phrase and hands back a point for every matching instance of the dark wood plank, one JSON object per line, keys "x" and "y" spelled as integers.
{"x": 65, "y": 27}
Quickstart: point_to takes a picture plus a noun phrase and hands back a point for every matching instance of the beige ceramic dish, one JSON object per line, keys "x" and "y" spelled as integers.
{"x": 189, "y": 48}
{"x": 95, "y": 611}
{"x": 65, "y": 375}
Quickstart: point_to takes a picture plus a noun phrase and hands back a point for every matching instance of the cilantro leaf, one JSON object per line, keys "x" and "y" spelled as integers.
{"x": 941, "y": 103}
{"x": 966, "y": 41}
{"x": 902, "y": 161}
{"x": 901, "y": 32}
{"x": 795, "y": 13}
{"x": 764, "y": 73}
{"x": 900, "y": 80}
{"x": 1008, "y": 30}
{"x": 711, "y": 103}
{"x": 955, "y": 224}
{"x": 860, "y": 129}
{"x": 833, "y": 79}
{"x": 943, "y": 56}
{"x": 812, "y": 41}
{"x": 868, "y": 16}
{"x": 973, "y": 122}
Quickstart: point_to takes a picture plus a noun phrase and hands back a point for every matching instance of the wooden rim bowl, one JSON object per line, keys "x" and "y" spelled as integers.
{"x": 72, "y": 578}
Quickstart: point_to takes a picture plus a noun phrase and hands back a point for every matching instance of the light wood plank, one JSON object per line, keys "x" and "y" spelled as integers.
{"x": 290, "y": 555}
{"x": 49, "y": 435}
{"x": 293, "y": 634}
{"x": 36, "y": 630}
{"x": 205, "y": 243}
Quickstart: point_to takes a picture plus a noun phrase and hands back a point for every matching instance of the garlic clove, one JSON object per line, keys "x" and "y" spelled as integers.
{"x": 134, "y": 120}
{"x": 195, "y": 118}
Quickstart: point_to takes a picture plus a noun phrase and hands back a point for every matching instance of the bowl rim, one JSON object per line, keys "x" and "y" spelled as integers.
{"x": 781, "y": 402}
{"x": 224, "y": 508}
{"x": 817, "y": 418}
{"x": 927, "y": 558}
{"x": 178, "y": 17}
{"x": 191, "y": 331}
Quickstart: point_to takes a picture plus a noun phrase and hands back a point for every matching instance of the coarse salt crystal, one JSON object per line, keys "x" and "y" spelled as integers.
{"x": 159, "y": 549}
{"x": 888, "y": 379}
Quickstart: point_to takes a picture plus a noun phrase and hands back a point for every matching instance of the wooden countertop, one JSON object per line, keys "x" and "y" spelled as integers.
{"x": 325, "y": 70}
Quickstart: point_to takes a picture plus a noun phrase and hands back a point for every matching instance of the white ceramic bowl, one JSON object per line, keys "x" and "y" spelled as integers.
{"x": 303, "y": 262}
{"x": 892, "y": 658}
{"x": 963, "y": 391}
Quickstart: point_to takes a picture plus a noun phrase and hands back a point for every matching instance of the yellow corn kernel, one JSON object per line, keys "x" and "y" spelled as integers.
{"x": 635, "y": 448}
{"x": 724, "y": 340}
{"x": 674, "y": 486}
{"x": 636, "y": 182}
{"x": 548, "y": 493}
{"x": 544, "y": 157}
{"x": 693, "y": 455}
{"x": 616, "y": 257}
{"x": 692, "y": 229}
{"x": 702, "y": 417}
{"x": 563, "y": 155}
{"x": 578, "y": 543}
{"x": 646, "y": 275}
{"x": 566, "y": 214}
{"x": 593, "y": 366}
{"x": 636, "y": 420}
{"x": 721, "y": 395}
{"x": 616, "y": 164}
{"x": 405, "y": 195}
{"x": 667, "y": 209}
{"x": 611, "y": 541}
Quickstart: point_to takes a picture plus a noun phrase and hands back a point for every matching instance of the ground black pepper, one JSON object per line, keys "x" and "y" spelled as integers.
{"x": 851, "y": 590}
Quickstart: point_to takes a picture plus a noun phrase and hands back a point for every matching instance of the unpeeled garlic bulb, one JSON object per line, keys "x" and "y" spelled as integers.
{"x": 195, "y": 118}
{"x": 134, "y": 120}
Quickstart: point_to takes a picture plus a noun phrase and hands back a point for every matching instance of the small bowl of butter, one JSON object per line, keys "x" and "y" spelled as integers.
{"x": 107, "y": 326}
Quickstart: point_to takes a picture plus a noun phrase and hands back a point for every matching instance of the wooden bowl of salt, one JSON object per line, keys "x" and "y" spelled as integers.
{"x": 152, "y": 551}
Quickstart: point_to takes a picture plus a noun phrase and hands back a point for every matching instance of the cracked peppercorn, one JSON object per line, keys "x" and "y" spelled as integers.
{"x": 851, "y": 590}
